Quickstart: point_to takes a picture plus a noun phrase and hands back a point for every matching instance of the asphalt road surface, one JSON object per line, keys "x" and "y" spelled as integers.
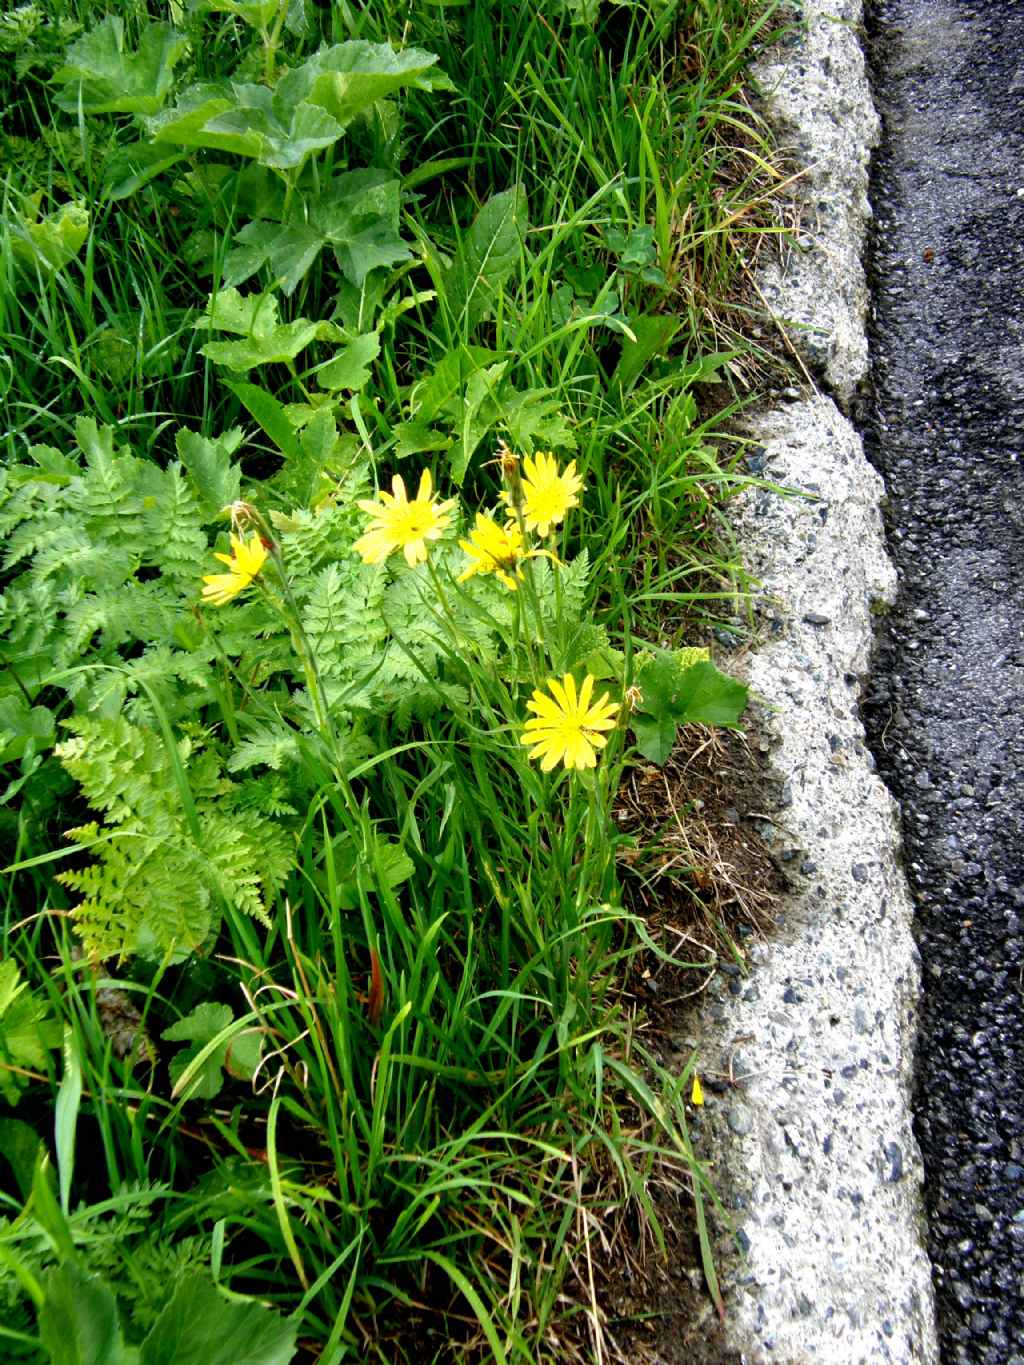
{"x": 944, "y": 422}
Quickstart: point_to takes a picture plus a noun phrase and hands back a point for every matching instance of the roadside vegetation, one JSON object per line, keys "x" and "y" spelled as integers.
{"x": 366, "y": 372}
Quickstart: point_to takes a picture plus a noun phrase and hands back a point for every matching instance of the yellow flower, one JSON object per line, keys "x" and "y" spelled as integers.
{"x": 244, "y": 562}
{"x": 494, "y": 549}
{"x": 399, "y": 524}
{"x": 547, "y": 495}
{"x": 565, "y": 727}
{"x": 697, "y": 1093}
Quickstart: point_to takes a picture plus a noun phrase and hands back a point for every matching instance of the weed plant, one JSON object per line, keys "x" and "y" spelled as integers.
{"x": 312, "y": 1037}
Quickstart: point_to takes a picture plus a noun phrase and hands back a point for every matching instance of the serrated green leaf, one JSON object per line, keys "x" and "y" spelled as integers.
{"x": 414, "y": 438}
{"x": 200, "y": 1327}
{"x": 102, "y": 78}
{"x": 23, "y": 726}
{"x": 535, "y": 421}
{"x": 357, "y": 215}
{"x": 261, "y": 123}
{"x": 478, "y": 411}
{"x": 350, "y": 368}
{"x": 127, "y": 169}
{"x": 486, "y": 256}
{"x": 201, "y": 1026}
{"x": 27, "y": 1030}
{"x": 184, "y": 125}
{"x": 677, "y": 692}
{"x": 215, "y": 479}
{"x": 50, "y": 241}
{"x": 348, "y": 79}
{"x": 78, "y": 1322}
{"x": 289, "y": 248}
{"x": 387, "y": 863}
{"x": 257, "y": 13}
{"x": 448, "y": 380}
{"x": 20, "y": 1146}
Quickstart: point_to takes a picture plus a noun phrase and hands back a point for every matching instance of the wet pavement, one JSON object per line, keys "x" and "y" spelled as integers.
{"x": 944, "y": 422}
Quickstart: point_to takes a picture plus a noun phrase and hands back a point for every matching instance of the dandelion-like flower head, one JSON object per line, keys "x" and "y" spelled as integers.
{"x": 496, "y": 549}
{"x": 547, "y": 493}
{"x": 244, "y": 563}
{"x": 566, "y": 727}
{"x": 401, "y": 523}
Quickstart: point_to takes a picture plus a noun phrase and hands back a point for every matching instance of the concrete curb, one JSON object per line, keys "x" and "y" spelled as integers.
{"x": 813, "y": 1141}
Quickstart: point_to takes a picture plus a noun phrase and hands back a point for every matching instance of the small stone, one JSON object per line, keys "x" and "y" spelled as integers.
{"x": 740, "y": 1120}
{"x": 815, "y": 618}
{"x": 859, "y": 872}
{"x": 894, "y": 1156}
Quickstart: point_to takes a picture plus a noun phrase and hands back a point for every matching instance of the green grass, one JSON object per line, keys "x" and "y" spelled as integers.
{"x": 402, "y": 1090}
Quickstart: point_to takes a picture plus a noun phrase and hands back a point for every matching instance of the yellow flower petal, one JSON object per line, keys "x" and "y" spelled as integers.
{"x": 245, "y": 562}
{"x": 565, "y": 727}
{"x": 697, "y": 1093}
{"x": 400, "y": 524}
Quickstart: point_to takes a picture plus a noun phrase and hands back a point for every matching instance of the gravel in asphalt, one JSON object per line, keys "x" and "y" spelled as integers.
{"x": 944, "y": 423}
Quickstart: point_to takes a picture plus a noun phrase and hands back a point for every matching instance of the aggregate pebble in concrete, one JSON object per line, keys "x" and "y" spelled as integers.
{"x": 814, "y": 1143}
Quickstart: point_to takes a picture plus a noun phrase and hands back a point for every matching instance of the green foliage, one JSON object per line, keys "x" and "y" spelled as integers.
{"x": 175, "y": 848}
{"x": 238, "y": 1054}
{"x": 102, "y": 78}
{"x": 27, "y": 1031}
{"x": 676, "y": 690}
{"x": 314, "y": 798}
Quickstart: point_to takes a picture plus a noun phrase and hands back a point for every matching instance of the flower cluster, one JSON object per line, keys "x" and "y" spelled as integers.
{"x": 567, "y": 726}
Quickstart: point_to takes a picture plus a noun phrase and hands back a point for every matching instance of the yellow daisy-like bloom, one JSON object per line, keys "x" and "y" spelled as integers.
{"x": 494, "y": 549}
{"x": 547, "y": 494}
{"x": 244, "y": 563}
{"x": 566, "y": 728}
{"x": 401, "y": 524}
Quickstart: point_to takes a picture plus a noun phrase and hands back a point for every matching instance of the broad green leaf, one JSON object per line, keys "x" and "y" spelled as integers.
{"x": 23, "y": 726}
{"x": 261, "y": 123}
{"x": 357, "y": 215}
{"x": 677, "y": 691}
{"x": 486, "y": 256}
{"x": 653, "y": 335}
{"x": 704, "y": 370}
{"x": 535, "y": 421}
{"x": 20, "y": 1146}
{"x": 271, "y": 415}
{"x": 704, "y": 696}
{"x": 478, "y": 412}
{"x": 184, "y": 124}
{"x": 215, "y": 478}
{"x": 348, "y": 79}
{"x": 78, "y": 1322}
{"x": 290, "y": 249}
{"x": 239, "y": 1055}
{"x": 449, "y": 379}
{"x": 102, "y": 78}
{"x": 27, "y": 1030}
{"x": 258, "y": 13}
{"x": 250, "y": 315}
{"x": 413, "y": 438}
{"x": 127, "y": 169}
{"x": 388, "y": 863}
{"x": 54, "y": 239}
{"x": 200, "y": 1327}
{"x": 359, "y": 218}
{"x": 350, "y": 368}
{"x": 254, "y": 317}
